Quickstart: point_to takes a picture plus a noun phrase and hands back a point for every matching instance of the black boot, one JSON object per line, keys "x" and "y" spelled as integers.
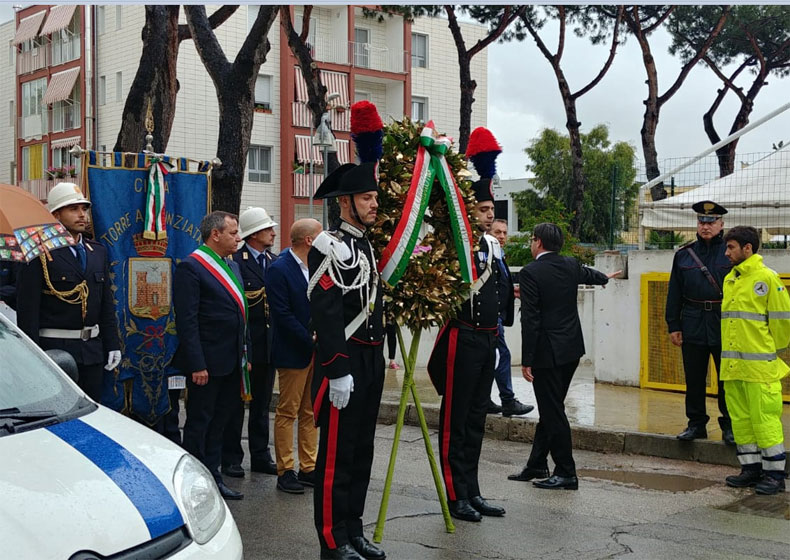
{"x": 462, "y": 509}
{"x": 366, "y": 549}
{"x": 693, "y": 432}
{"x": 772, "y": 483}
{"x": 746, "y": 478}
{"x": 493, "y": 408}
{"x": 485, "y": 508}
{"x": 342, "y": 552}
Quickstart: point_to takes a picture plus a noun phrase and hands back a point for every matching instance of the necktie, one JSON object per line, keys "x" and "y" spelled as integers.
{"x": 82, "y": 256}
{"x": 262, "y": 262}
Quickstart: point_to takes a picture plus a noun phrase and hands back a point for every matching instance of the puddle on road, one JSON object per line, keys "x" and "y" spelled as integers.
{"x": 775, "y": 507}
{"x": 650, "y": 481}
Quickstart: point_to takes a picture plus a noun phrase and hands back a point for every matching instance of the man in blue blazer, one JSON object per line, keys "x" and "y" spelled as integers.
{"x": 292, "y": 355}
{"x": 211, "y": 323}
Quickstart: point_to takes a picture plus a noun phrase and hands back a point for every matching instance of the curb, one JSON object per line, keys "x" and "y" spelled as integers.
{"x": 600, "y": 440}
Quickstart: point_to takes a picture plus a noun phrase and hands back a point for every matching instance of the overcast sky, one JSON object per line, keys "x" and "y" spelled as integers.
{"x": 524, "y": 99}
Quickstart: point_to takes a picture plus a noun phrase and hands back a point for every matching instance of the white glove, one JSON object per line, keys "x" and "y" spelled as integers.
{"x": 496, "y": 359}
{"x": 113, "y": 359}
{"x": 340, "y": 390}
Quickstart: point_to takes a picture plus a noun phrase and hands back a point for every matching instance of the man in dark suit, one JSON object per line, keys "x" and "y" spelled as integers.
{"x": 552, "y": 345}
{"x": 257, "y": 230}
{"x": 65, "y": 302}
{"x": 211, "y": 314}
{"x": 292, "y": 355}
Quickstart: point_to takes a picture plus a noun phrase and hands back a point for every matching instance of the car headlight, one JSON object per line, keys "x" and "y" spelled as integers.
{"x": 199, "y": 499}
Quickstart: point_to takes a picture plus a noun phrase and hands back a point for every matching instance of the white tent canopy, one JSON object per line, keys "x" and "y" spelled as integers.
{"x": 757, "y": 195}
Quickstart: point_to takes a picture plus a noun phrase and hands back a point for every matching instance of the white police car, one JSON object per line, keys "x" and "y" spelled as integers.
{"x": 81, "y": 482}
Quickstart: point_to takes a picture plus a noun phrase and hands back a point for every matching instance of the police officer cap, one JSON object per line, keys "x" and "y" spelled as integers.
{"x": 708, "y": 211}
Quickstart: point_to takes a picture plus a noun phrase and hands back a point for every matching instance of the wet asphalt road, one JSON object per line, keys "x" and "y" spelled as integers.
{"x": 626, "y": 507}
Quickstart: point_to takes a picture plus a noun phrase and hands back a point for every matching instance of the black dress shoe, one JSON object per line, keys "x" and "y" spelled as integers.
{"x": 493, "y": 408}
{"x": 463, "y": 510}
{"x": 234, "y": 471}
{"x": 693, "y": 432}
{"x": 528, "y": 473}
{"x": 342, "y": 552}
{"x": 514, "y": 407}
{"x": 485, "y": 508}
{"x": 366, "y": 549}
{"x": 287, "y": 482}
{"x": 558, "y": 483}
{"x": 307, "y": 478}
{"x": 728, "y": 437}
{"x": 265, "y": 466}
{"x": 228, "y": 493}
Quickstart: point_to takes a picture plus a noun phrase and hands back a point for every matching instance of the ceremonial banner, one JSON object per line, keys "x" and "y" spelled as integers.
{"x": 148, "y": 219}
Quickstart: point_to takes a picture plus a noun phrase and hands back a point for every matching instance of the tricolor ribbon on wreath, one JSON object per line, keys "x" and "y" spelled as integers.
{"x": 220, "y": 270}
{"x": 429, "y": 166}
{"x": 155, "y": 226}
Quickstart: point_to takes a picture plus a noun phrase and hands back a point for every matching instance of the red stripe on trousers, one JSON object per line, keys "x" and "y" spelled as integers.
{"x": 329, "y": 477}
{"x": 319, "y": 399}
{"x": 448, "y": 400}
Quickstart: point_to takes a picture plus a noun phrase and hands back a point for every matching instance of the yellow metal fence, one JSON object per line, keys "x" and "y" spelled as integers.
{"x": 661, "y": 361}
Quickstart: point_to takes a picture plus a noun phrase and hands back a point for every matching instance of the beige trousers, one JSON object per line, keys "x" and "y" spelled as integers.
{"x": 295, "y": 404}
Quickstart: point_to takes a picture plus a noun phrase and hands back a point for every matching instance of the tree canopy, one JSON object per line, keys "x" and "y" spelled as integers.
{"x": 607, "y": 165}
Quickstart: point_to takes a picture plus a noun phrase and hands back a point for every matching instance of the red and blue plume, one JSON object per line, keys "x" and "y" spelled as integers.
{"x": 366, "y": 131}
{"x": 483, "y": 150}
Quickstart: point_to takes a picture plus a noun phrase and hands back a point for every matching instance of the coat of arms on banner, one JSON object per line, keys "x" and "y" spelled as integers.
{"x": 149, "y": 287}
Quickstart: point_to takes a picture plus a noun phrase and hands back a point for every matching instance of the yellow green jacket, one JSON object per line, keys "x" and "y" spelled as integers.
{"x": 755, "y": 323}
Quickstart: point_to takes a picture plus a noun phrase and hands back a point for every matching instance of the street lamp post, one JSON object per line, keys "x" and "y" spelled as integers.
{"x": 324, "y": 138}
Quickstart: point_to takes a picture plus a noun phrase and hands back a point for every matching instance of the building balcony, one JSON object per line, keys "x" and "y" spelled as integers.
{"x": 66, "y": 51}
{"x": 32, "y": 60}
{"x": 40, "y": 187}
{"x": 33, "y": 126}
{"x": 64, "y": 116}
{"x": 359, "y": 55}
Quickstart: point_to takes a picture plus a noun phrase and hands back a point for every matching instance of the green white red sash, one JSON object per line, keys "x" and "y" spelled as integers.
{"x": 155, "y": 226}
{"x": 429, "y": 166}
{"x": 219, "y": 269}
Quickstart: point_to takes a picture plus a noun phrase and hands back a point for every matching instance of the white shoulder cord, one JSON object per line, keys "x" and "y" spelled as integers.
{"x": 334, "y": 266}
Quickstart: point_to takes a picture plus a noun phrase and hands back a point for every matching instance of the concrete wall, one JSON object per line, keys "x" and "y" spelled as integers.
{"x": 616, "y": 329}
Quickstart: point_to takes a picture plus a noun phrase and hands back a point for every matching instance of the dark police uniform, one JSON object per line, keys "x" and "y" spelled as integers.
{"x": 61, "y": 306}
{"x": 694, "y": 308}
{"x": 262, "y": 374}
{"x": 462, "y": 370}
{"x": 345, "y": 446}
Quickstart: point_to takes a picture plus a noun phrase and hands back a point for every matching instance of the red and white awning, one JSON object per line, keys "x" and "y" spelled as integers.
{"x": 59, "y": 18}
{"x": 66, "y": 142}
{"x": 303, "y": 181}
{"x": 303, "y": 151}
{"x": 342, "y": 151}
{"x": 337, "y": 82}
{"x": 28, "y": 27}
{"x": 301, "y": 85}
{"x": 60, "y": 86}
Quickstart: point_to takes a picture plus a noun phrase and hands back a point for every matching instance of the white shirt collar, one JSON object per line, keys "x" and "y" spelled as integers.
{"x": 544, "y": 253}
{"x": 302, "y": 266}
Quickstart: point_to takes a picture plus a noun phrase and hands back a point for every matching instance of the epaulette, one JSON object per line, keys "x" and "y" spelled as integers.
{"x": 329, "y": 243}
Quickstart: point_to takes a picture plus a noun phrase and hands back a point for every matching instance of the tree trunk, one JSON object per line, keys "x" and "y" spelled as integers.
{"x": 155, "y": 85}
{"x": 468, "y": 86}
{"x": 573, "y": 126}
{"x": 650, "y": 120}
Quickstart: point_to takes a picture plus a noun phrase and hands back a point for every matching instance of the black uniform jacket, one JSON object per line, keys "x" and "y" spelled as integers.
{"x": 507, "y": 298}
{"x": 480, "y": 312}
{"x": 551, "y": 333}
{"x": 258, "y": 321}
{"x": 688, "y": 286}
{"x": 37, "y": 310}
{"x": 331, "y": 310}
{"x": 209, "y": 322}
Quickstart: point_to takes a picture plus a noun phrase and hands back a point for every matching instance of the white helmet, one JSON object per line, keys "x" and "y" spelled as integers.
{"x": 253, "y": 220}
{"x": 65, "y": 194}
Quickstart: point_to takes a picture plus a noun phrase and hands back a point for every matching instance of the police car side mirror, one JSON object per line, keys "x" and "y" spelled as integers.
{"x": 65, "y": 361}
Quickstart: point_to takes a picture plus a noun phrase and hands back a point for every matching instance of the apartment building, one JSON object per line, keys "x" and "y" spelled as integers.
{"x": 72, "y": 66}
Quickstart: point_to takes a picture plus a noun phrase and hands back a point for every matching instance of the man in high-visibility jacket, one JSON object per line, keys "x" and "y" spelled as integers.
{"x": 755, "y": 325}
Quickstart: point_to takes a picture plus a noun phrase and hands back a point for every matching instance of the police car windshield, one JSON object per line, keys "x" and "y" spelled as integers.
{"x": 29, "y": 384}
